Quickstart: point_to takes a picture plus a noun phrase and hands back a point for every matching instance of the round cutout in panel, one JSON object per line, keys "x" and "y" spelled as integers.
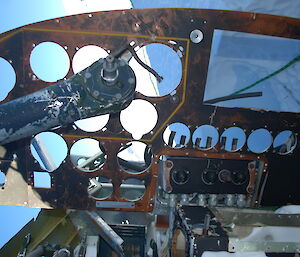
{"x": 139, "y": 118}
{"x": 158, "y": 57}
{"x": 7, "y": 78}
{"x": 100, "y": 188}
{"x": 87, "y": 155}
{"x": 2, "y": 179}
{"x": 176, "y": 135}
{"x": 205, "y": 137}
{"x": 92, "y": 124}
{"x": 49, "y": 61}
{"x": 135, "y": 157}
{"x": 233, "y": 139}
{"x": 259, "y": 140}
{"x": 49, "y": 149}
{"x": 86, "y": 56}
{"x": 285, "y": 142}
{"x": 132, "y": 189}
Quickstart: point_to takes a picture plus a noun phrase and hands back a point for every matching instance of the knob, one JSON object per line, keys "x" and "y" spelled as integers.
{"x": 209, "y": 177}
{"x": 225, "y": 176}
{"x": 180, "y": 176}
{"x": 238, "y": 178}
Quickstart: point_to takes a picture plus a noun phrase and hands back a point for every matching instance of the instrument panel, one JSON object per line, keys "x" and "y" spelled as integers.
{"x": 191, "y": 148}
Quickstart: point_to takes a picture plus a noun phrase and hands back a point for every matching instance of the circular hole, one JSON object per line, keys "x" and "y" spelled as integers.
{"x": 100, "y": 188}
{"x": 93, "y": 124}
{"x": 259, "y": 140}
{"x": 87, "y": 155}
{"x": 7, "y": 78}
{"x": 49, "y": 61}
{"x": 157, "y": 56}
{"x": 49, "y": 149}
{"x": 205, "y": 137}
{"x": 196, "y": 36}
{"x": 86, "y": 56}
{"x": 135, "y": 157}
{"x": 139, "y": 118}
{"x": 285, "y": 142}
{"x": 2, "y": 179}
{"x": 132, "y": 189}
{"x": 177, "y": 135}
{"x": 233, "y": 139}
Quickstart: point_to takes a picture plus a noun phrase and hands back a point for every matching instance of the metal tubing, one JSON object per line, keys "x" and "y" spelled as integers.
{"x": 81, "y": 96}
{"x": 51, "y": 107}
{"x": 42, "y": 152}
{"x": 106, "y": 232}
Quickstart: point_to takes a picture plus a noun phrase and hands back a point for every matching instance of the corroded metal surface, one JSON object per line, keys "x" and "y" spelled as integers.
{"x": 110, "y": 30}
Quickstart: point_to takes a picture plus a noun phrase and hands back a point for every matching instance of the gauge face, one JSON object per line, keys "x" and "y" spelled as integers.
{"x": 178, "y": 244}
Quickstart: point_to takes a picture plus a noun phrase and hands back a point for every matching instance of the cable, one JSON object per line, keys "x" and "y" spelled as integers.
{"x": 232, "y": 97}
{"x": 145, "y": 66}
{"x": 118, "y": 53}
{"x": 237, "y": 95}
{"x": 150, "y": 77}
{"x": 296, "y": 59}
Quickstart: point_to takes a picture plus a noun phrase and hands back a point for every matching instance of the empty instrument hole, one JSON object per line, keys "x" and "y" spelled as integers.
{"x": 139, "y": 118}
{"x": 100, "y": 188}
{"x": 176, "y": 135}
{"x": 41, "y": 180}
{"x": 158, "y": 57}
{"x": 205, "y": 137}
{"x": 233, "y": 139}
{"x": 92, "y": 124}
{"x": 49, "y": 149}
{"x": 86, "y": 56}
{"x": 285, "y": 142}
{"x": 259, "y": 140}
{"x": 7, "y": 78}
{"x": 135, "y": 157}
{"x": 49, "y": 61}
{"x": 132, "y": 189}
{"x": 87, "y": 155}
